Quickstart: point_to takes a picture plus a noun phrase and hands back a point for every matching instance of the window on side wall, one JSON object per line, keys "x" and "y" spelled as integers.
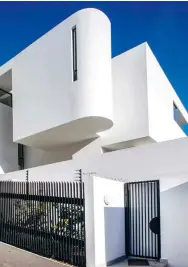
{"x": 74, "y": 54}
{"x": 175, "y": 112}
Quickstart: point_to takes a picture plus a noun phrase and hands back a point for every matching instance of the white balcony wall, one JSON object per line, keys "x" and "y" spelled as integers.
{"x": 37, "y": 157}
{"x": 161, "y": 96}
{"x": 45, "y": 98}
{"x": 8, "y": 149}
{"x": 129, "y": 97}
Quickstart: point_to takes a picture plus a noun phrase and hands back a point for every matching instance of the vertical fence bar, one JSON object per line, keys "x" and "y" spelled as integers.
{"x": 158, "y": 215}
{"x": 1, "y": 209}
{"x": 51, "y": 218}
{"x": 44, "y": 228}
{"x": 62, "y": 221}
{"x": 22, "y": 213}
{"x": 9, "y": 215}
{"x": 35, "y": 212}
{"x": 48, "y": 219}
{"x": 43, "y": 219}
{"x": 30, "y": 189}
{"x": 5, "y": 213}
{"x": 142, "y": 220}
{"x": 81, "y": 221}
{"x": 139, "y": 221}
{"x": 55, "y": 220}
{"x": 2, "y": 212}
{"x": 74, "y": 226}
{"x": 145, "y": 221}
{"x": 68, "y": 215}
{"x": 137, "y": 224}
{"x": 148, "y": 191}
{"x": 77, "y": 229}
{"x": 38, "y": 215}
{"x": 84, "y": 229}
{"x": 41, "y": 243}
{"x": 37, "y": 218}
{"x": 132, "y": 227}
{"x": 152, "y": 208}
{"x": 19, "y": 215}
{"x": 127, "y": 228}
{"x": 71, "y": 225}
{"x": 32, "y": 214}
{"x": 28, "y": 216}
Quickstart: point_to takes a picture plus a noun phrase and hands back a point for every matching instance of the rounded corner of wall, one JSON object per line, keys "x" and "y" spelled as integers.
{"x": 92, "y": 11}
{"x": 98, "y": 123}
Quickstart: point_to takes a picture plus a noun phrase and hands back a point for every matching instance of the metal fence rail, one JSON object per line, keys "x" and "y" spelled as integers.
{"x": 47, "y": 218}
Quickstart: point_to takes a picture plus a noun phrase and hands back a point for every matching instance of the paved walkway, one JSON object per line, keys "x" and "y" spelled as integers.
{"x": 13, "y": 257}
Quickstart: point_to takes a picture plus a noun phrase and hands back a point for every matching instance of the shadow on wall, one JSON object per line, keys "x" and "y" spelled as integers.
{"x": 174, "y": 225}
{"x": 114, "y": 220}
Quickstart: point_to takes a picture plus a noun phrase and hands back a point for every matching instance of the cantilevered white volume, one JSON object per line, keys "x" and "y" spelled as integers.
{"x": 62, "y": 89}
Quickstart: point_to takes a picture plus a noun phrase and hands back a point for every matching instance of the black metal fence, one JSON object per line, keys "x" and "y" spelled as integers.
{"x": 47, "y": 218}
{"x": 143, "y": 219}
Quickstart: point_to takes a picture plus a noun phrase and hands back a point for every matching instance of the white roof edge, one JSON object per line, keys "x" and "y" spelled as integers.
{"x": 132, "y": 48}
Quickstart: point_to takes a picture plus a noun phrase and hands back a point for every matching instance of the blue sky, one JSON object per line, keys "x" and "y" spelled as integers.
{"x": 164, "y": 25}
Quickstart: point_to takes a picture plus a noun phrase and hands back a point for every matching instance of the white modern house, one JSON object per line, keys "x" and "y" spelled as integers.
{"x": 65, "y": 104}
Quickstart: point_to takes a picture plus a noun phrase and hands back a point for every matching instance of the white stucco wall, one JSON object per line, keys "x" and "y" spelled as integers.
{"x": 142, "y": 101}
{"x": 130, "y": 103}
{"x": 109, "y": 220}
{"x": 8, "y": 150}
{"x": 44, "y": 95}
{"x": 161, "y": 95}
{"x": 37, "y": 157}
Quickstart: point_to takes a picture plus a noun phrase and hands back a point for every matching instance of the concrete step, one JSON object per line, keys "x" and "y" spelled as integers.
{"x": 153, "y": 263}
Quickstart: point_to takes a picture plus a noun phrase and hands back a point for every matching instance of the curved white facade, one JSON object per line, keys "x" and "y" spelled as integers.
{"x": 58, "y": 110}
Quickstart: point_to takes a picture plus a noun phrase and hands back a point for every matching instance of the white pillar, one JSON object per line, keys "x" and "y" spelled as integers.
{"x": 89, "y": 221}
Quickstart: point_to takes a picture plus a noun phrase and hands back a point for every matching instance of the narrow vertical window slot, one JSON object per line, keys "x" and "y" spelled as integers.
{"x": 74, "y": 54}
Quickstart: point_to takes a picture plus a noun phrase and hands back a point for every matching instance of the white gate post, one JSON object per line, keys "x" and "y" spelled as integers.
{"x": 89, "y": 221}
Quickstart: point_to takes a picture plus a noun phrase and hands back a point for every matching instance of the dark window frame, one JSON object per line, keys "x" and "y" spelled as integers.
{"x": 21, "y": 156}
{"x": 74, "y": 54}
{"x": 175, "y": 111}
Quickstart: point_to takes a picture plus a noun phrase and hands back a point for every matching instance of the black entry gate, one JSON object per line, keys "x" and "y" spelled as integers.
{"x": 47, "y": 218}
{"x": 142, "y": 213}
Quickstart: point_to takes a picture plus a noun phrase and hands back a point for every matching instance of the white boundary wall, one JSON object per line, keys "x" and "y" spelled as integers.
{"x": 166, "y": 161}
